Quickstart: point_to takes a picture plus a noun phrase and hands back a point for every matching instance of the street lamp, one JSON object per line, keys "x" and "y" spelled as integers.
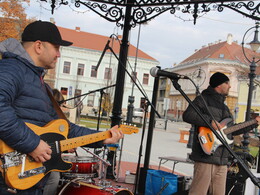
{"x": 255, "y": 44}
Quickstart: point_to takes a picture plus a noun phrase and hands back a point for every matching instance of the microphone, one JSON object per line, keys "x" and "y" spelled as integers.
{"x": 155, "y": 72}
{"x": 102, "y": 55}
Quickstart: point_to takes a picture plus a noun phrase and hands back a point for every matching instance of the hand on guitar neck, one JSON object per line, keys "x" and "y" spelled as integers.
{"x": 116, "y": 133}
{"x": 216, "y": 125}
{"x": 210, "y": 143}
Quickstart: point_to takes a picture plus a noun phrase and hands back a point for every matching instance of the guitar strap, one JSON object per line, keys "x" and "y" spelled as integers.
{"x": 56, "y": 105}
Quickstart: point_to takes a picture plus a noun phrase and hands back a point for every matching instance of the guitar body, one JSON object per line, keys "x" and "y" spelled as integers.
{"x": 21, "y": 172}
{"x": 34, "y": 171}
{"x": 209, "y": 141}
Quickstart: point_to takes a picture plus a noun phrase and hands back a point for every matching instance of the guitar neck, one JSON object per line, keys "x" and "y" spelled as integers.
{"x": 83, "y": 140}
{"x": 239, "y": 126}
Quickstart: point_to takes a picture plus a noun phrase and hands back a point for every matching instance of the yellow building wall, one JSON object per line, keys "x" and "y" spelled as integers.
{"x": 242, "y": 101}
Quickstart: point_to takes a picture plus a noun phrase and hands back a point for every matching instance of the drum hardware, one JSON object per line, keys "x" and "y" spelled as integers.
{"x": 67, "y": 184}
{"x": 104, "y": 161}
{"x": 104, "y": 165}
{"x": 80, "y": 179}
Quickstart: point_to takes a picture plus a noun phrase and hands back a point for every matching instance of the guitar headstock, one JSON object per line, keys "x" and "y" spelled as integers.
{"x": 128, "y": 129}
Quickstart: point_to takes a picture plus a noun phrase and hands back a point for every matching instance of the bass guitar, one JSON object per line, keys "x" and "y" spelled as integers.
{"x": 20, "y": 171}
{"x": 208, "y": 140}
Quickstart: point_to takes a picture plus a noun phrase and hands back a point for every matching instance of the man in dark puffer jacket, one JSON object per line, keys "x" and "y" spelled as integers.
{"x": 210, "y": 170}
{"x": 24, "y": 98}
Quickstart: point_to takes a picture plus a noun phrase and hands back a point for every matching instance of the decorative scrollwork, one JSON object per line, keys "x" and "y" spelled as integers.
{"x": 145, "y": 10}
{"x": 111, "y": 13}
{"x": 64, "y": 2}
{"x": 250, "y": 6}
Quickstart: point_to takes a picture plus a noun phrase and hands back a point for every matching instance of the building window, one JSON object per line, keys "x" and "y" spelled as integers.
{"x": 134, "y": 76}
{"x": 145, "y": 79}
{"x": 162, "y": 93}
{"x": 142, "y": 102}
{"x": 66, "y": 67}
{"x": 93, "y": 72}
{"x": 221, "y": 55}
{"x": 81, "y": 69}
{"x": 108, "y": 73}
{"x": 91, "y": 98}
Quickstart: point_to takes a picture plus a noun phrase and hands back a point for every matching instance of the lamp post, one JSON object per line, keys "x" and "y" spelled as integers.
{"x": 255, "y": 44}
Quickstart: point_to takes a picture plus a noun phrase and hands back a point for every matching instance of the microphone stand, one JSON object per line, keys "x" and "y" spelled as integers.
{"x": 60, "y": 102}
{"x": 148, "y": 101}
{"x": 140, "y": 149}
{"x": 99, "y": 110}
{"x": 101, "y": 90}
{"x": 135, "y": 82}
{"x": 239, "y": 160}
{"x": 143, "y": 171}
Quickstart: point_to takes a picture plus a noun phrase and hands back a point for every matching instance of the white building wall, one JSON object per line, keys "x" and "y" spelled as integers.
{"x": 87, "y": 83}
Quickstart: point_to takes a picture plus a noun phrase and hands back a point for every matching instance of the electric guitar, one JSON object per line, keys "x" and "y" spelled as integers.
{"x": 20, "y": 171}
{"x": 208, "y": 140}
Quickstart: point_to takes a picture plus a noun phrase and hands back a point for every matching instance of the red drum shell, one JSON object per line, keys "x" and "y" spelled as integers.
{"x": 82, "y": 164}
{"x": 78, "y": 189}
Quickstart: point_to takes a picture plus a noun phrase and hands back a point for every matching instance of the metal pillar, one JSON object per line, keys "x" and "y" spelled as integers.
{"x": 251, "y": 76}
{"x": 120, "y": 81}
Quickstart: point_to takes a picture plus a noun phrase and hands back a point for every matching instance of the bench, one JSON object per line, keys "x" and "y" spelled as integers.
{"x": 175, "y": 161}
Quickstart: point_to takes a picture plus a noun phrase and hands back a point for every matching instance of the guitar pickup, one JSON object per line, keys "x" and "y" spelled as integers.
{"x": 31, "y": 172}
{"x": 203, "y": 139}
{"x": 209, "y": 136}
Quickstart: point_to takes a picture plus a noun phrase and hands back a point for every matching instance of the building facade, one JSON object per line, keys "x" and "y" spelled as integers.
{"x": 225, "y": 57}
{"x": 77, "y": 73}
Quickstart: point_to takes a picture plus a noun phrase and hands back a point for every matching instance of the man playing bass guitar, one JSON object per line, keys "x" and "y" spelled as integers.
{"x": 210, "y": 167}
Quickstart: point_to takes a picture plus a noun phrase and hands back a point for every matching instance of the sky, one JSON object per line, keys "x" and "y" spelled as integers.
{"x": 168, "y": 38}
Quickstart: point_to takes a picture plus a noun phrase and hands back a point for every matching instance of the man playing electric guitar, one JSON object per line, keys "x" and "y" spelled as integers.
{"x": 24, "y": 100}
{"x": 210, "y": 169}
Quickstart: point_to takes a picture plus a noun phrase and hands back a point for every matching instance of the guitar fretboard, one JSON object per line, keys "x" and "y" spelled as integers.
{"x": 83, "y": 140}
{"x": 239, "y": 126}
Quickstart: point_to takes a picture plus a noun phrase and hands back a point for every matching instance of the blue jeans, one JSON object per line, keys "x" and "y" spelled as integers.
{"x": 30, "y": 191}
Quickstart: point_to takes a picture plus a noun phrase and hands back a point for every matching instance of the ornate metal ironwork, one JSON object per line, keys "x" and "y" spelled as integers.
{"x": 145, "y": 10}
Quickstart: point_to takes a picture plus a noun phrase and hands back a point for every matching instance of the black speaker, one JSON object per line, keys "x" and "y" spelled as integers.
{"x": 234, "y": 186}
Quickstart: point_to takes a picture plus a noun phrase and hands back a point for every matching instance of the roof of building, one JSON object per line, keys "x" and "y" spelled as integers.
{"x": 97, "y": 42}
{"x": 221, "y": 50}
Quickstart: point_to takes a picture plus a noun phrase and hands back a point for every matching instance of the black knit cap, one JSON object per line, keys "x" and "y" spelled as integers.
{"x": 44, "y": 31}
{"x": 217, "y": 79}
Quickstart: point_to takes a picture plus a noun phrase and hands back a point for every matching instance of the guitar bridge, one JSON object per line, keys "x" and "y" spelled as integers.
{"x": 11, "y": 159}
{"x": 31, "y": 172}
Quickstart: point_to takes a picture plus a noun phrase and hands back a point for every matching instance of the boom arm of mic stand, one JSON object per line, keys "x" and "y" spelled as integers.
{"x": 87, "y": 93}
{"x": 136, "y": 83}
{"x": 252, "y": 177}
{"x": 102, "y": 55}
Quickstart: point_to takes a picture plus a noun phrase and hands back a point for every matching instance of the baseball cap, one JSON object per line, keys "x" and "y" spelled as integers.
{"x": 217, "y": 79}
{"x": 43, "y": 31}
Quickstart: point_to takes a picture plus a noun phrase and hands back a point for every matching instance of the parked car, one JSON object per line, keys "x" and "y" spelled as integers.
{"x": 138, "y": 112}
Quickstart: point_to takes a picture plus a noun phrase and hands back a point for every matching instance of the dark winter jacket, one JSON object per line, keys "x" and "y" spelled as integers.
{"x": 23, "y": 98}
{"x": 220, "y": 111}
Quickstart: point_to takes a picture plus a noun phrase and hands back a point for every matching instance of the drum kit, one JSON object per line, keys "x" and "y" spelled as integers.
{"x": 87, "y": 177}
